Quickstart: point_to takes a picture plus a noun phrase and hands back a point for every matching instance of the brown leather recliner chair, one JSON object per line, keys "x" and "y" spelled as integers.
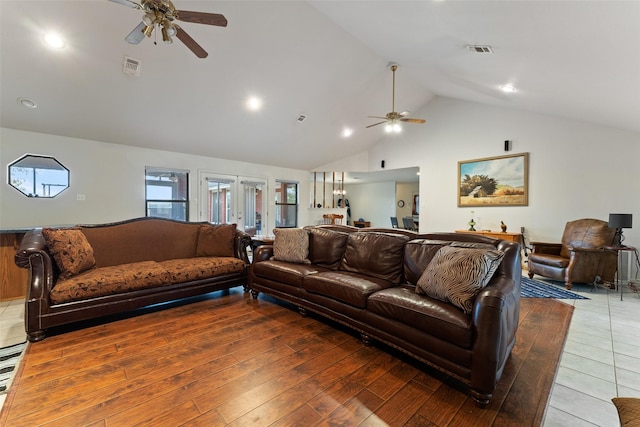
{"x": 581, "y": 257}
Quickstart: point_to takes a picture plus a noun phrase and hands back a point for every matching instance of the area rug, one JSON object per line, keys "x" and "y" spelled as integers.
{"x": 9, "y": 358}
{"x": 534, "y": 289}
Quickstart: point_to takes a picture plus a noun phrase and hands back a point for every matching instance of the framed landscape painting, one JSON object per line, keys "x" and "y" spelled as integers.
{"x": 494, "y": 181}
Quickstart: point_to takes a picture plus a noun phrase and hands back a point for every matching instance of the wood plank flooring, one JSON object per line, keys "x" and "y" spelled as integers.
{"x": 227, "y": 359}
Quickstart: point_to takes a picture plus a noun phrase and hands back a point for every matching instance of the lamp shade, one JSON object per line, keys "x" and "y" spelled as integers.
{"x": 620, "y": 220}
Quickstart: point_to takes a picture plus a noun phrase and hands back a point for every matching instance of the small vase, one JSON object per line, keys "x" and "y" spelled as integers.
{"x": 471, "y": 225}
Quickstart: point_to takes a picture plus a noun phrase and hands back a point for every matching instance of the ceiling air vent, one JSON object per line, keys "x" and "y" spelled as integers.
{"x": 301, "y": 118}
{"x": 131, "y": 66}
{"x": 480, "y": 49}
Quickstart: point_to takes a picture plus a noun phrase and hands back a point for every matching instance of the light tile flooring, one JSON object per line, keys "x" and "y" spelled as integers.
{"x": 601, "y": 358}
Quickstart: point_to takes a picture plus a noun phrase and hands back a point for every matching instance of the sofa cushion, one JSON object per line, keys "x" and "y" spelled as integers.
{"x": 457, "y": 274}
{"x": 186, "y": 270}
{"x": 375, "y": 254}
{"x": 326, "y": 247}
{"x": 291, "y": 245}
{"x": 429, "y": 315}
{"x": 216, "y": 240}
{"x": 285, "y": 272}
{"x": 349, "y": 288}
{"x": 550, "y": 260}
{"x": 70, "y": 249}
{"x": 105, "y": 281}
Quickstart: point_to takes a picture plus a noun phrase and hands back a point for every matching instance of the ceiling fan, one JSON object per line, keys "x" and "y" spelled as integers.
{"x": 393, "y": 118}
{"x": 161, "y": 14}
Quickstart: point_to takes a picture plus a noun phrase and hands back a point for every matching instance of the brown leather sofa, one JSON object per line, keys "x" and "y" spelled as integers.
{"x": 89, "y": 271}
{"x": 366, "y": 279}
{"x": 580, "y": 257}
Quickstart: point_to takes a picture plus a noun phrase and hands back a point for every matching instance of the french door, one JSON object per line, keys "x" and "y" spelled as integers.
{"x": 228, "y": 199}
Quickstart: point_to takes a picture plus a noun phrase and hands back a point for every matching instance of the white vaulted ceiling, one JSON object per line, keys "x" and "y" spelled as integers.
{"x": 326, "y": 60}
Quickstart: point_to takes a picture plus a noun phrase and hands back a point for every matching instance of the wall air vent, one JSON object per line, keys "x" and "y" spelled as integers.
{"x": 131, "y": 66}
{"x": 480, "y": 48}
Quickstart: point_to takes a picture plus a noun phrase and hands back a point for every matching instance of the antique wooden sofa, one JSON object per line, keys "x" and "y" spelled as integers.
{"x": 88, "y": 271}
{"x": 449, "y": 300}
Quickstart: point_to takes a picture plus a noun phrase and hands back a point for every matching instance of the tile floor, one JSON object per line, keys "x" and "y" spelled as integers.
{"x": 601, "y": 358}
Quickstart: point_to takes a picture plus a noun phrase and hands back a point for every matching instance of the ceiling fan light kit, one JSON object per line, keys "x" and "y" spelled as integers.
{"x": 161, "y": 14}
{"x": 392, "y": 120}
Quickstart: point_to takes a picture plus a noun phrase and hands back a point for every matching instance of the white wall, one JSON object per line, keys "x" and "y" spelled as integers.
{"x": 576, "y": 170}
{"x": 111, "y": 176}
{"x": 374, "y": 202}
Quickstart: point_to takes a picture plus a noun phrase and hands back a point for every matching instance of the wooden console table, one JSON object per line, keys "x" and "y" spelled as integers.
{"x": 510, "y": 237}
{"x": 362, "y": 224}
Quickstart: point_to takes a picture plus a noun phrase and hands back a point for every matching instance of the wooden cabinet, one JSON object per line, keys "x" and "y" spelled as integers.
{"x": 511, "y": 237}
{"x": 13, "y": 279}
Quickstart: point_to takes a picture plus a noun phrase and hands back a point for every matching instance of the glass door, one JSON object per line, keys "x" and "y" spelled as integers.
{"x": 216, "y": 204}
{"x": 228, "y": 199}
{"x": 254, "y": 209}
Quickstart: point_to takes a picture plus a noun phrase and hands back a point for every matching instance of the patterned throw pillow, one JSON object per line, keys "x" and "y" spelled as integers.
{"x": 291, "y": 245}
{"x": 70, "y": 249}
{"x": 456, "y": 275}
{"x": 216, "y": 240}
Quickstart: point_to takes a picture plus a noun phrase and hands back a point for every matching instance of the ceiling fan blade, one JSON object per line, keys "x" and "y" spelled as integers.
{"x": 201, "y": 17}
{"x": 375, "y": 124}
{"x": 377, "y": 117}
{"x": 190, "y": 43}
{"x": 136, "y": 36}
{"x": 127, "y": 3}
{"x": 406, "y": 119}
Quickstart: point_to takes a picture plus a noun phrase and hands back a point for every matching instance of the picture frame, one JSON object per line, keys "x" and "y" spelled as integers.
{"x": 494, "y": 181}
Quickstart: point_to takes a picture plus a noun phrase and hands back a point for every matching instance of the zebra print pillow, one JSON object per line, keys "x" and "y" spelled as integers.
{"x": 456, "y": 275}
{"x": 291, "y": 245}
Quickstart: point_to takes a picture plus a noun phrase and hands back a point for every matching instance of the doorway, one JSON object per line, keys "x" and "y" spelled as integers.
{"x": 228, "y": 199}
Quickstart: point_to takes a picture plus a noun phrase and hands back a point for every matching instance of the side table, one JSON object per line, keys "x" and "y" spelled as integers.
{"x": 619, "y": 249}
{"x": 261, "y": 240}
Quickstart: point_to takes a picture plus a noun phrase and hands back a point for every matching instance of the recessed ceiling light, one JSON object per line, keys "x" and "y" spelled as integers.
{"x": 347, "y": 132}
{"x": 53, "y": 40}
{"x": 508, "y": 88}
{"x": 254, "y": 103}
{"x": 26, "y": 102}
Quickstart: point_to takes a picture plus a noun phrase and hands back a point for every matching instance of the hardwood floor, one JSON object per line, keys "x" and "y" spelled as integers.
{"x": 230, "y": 360}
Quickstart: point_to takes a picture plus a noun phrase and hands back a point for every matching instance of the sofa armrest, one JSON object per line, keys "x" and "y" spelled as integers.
{"x": 33, "y": 255}
{"x": 495, "y": 320}
{"x": 591, "y": 263}
{"x": 546, "y": 248}
{"x": 262, "y": 253}
{"x": 242, "y": 241}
